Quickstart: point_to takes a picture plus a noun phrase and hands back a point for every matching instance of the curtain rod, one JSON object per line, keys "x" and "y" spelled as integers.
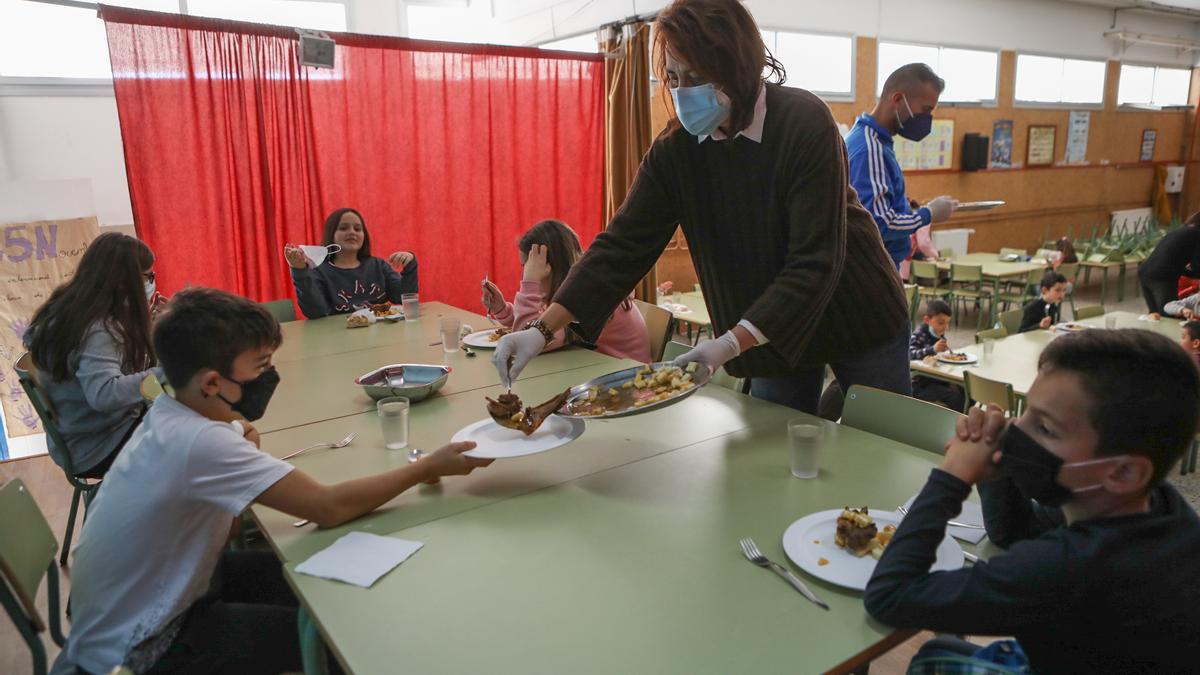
{"x": 636, "y": 18}
{"x": 70, "y": 3}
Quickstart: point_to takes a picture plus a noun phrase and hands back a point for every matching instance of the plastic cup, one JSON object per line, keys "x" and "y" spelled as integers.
{"x": 988, "y": 347}
{"x": 805, "y": 440}
{"x": 411, "y": 306}
{"x": 451, "y": 328}
{"x": 393, "y": 416}
{"x": 1110, "y": 322}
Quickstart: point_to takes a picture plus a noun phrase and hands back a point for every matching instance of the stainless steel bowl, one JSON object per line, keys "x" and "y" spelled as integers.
{"x": 414, "y": 381}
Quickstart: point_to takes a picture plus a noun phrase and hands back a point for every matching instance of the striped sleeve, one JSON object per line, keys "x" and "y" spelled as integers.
{"x": 879, "y": 198}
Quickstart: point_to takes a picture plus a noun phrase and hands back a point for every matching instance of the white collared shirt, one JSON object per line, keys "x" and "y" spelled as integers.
{"x": 755, "y": 131}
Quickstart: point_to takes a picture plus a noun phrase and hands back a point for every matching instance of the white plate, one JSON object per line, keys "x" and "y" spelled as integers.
{"x": 979, "y": 206}
{"x": 479, "y": 339}
{"x": 1071, "y": 327}
{"x": 971, "y": 358}
{"x": 846, "y": 569}
{"x": 497, "y": 442}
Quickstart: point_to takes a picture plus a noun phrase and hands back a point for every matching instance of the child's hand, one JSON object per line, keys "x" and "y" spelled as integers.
{"x": 400, "y": 260}
{"x": 449, "y": 460}
{"x": 941, "y": 346}
{"x": 1155, "y": 316}
{"x": 536, "y": 267}
{"x": 1188, "y": 314}
{"x": 973, "y": 454}
{"x": 295, "y": 257}
{"x": 1045, "y": 323}
{"x": 250, "y": 433}
{"x": 492, "y": 299}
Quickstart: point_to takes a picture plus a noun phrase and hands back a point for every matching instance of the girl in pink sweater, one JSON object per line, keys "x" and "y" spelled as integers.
{"x": 548, "y": 250}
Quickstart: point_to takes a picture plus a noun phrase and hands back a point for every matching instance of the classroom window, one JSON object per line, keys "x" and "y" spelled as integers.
{"x": 970, "y": 74}
{"x": 41, "y": 40}
{"x": 1054, "y": 80}
{"x": 823, "y": 64}
{"x": 300, "y": 13}
{"x": 1154, "y": 86}
{"x": 466, "y": 22}
{"x": 579, "y": 43}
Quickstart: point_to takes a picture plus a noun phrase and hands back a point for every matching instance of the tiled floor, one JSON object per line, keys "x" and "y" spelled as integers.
{"x": 53, "y": 494}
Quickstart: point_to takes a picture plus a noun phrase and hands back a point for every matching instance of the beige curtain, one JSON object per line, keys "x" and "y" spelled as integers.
{"x": 627, "y": 119}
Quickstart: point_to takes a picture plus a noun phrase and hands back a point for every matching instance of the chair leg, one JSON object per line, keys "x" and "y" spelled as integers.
{"x": 52, "y": 606}
{"x": 312, "y": 646}
{"x": 14, "y": 610}
{"x": 66, "y": 549}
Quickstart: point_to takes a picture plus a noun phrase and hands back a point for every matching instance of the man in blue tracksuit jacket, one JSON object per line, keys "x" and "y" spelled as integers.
{"x": 905, "y": 108}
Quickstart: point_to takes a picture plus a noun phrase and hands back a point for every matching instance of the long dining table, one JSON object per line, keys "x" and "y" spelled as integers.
{"x": 615, "y": 553}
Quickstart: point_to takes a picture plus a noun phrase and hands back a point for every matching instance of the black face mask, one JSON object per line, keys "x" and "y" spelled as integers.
{"x": 1033, "y": 468}
{"x": 256, "y": 394}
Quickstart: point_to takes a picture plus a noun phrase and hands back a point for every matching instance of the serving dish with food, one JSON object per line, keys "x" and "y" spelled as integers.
{"x": 634, "y": 390}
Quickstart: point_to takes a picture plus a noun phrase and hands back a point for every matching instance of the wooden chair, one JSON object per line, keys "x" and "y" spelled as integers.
{"x": 283, "y": 310}
{"x": 991, "y": 334}
{"x": 1088, "y": 312}
{"x": 986, "y": 391}
{"x": 1011, "y": 320}
{"x": 966, "y": 285}
{"x": 57, "y": 447}
{"x": 658, "y": 327}
{"x": 27, "y": 548}
{"x": 901, "y": 418}
{"x": 674, "y": 350}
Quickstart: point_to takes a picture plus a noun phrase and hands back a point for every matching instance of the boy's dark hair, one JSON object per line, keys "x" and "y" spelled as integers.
{"x": 1050, "y": 278}
{"x": 908, "y": 78}
{"x": 936, "y": 307}
{"x": 331, "y": 226}
{"x": 1193, "y": 329}
{"x": 1157, "y": 422}
{"x": 206, "y": 328}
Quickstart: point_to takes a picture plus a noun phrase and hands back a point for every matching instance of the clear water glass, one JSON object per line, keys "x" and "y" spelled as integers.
{"x": 393, "y": 416}
{"x": 1110, "y": 322}
{"x": 451, "y": 331}
{"x": 988, "y": 347}
{"x": 805, "y": 438}
{"x": 411, "y": 306}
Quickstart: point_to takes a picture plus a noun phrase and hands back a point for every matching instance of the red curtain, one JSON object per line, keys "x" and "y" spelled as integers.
{"x": 451, "y": 151}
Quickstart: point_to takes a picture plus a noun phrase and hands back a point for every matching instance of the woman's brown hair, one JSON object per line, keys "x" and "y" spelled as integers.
{"x": 107, "y": 287}
{"x": 721, "y": 42}
{"x": 563, "y": 250}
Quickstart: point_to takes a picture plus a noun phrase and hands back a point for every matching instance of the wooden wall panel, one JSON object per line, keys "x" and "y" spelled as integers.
{"x": 1043, "y": 201}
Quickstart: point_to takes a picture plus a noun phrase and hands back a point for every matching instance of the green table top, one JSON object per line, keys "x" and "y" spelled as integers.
{"x": 1014, "y": 358}
{"x": 631, "y": 569}
{"x": 697, "y": 309}
{"x": 304, "y": 340}
{"x": 993, "y": 267}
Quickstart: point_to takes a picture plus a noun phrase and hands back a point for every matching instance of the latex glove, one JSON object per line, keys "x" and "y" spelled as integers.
{"x": 520, "y": 346}
{"x": 711, "y": 353}
{"x": 942, "y": 208}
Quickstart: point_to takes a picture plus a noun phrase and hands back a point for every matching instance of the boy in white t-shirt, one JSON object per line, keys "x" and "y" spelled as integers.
{"x": 152, "y": 587}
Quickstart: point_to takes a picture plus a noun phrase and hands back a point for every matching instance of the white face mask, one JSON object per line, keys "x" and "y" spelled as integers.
{"x": 317, "y": 254}
{"x": 150, "y": 288}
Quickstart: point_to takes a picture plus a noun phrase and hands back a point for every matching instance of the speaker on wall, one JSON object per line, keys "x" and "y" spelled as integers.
{"x": 975, "y": 152}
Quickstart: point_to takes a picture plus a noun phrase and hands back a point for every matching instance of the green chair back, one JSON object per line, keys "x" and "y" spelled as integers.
{"x": 1089, "y": 312}
{"x": 925, "y": 273}
{"x": 967, "y": 273}
{"x": 674, "y": 350}
{"x": 27, "y": 548}
{"x": 1011, "y": 321}
{"x": 658, "y": 327}
{"x": 901, "y": 418}
{"x": 987, "y": 391}
{"x": 283, "y": 310}
{"x": 991, "y": 334}
{"x": 911, "y": 294}
{"x": 945, "y": 253}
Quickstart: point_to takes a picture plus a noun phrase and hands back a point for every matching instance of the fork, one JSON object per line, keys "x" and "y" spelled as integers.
{"x": 321, "y": 446}
{"x": 755, "y": 556}
{"x": 952, "y": 523}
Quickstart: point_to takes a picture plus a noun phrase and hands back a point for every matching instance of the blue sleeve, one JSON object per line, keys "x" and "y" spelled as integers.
{"x": 869, "y": 176}
{"x": 311, "y": 292}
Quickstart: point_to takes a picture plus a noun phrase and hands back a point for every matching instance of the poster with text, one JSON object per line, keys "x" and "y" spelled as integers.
{"x": 1002, "y": 141}
{"x": 1077, "y": 136}
{"x": 935, "y": 151}
{"x": 35, "y": 257}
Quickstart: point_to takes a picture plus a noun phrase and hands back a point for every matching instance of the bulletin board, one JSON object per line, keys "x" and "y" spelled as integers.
{"x": 935, "y": 151}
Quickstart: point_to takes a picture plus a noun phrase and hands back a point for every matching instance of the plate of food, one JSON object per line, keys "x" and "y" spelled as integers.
{"x": 841, "y": 546}
{"x": 386, "y": 311}
{"x": 1071, "y": 327}
{"x": 979, "y": 206}
{"x": 485, "y": 339}
{"x": 634, "y": 390}
{"x": 957, "y": 358}
{"x": 515, "y": 430}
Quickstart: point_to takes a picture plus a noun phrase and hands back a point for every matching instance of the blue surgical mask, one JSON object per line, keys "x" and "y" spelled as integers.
{"x": 698, "y": 109}
{"x": 917, "y": 127}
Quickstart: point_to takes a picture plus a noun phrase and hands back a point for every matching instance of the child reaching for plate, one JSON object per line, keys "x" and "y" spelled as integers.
{"x": 547, "y": 251}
